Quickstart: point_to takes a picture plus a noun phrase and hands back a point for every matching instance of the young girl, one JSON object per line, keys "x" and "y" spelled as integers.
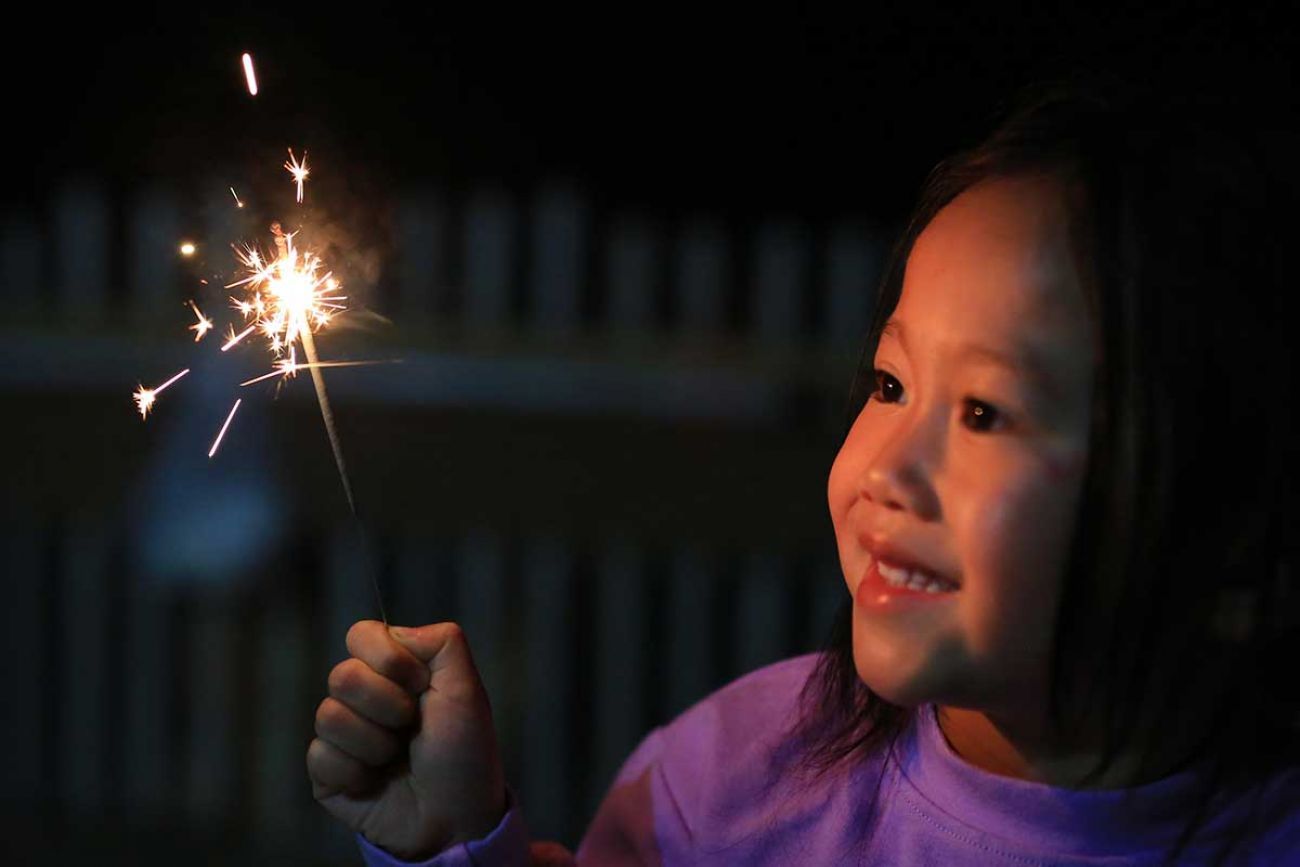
{"x": 1062, "y": 512}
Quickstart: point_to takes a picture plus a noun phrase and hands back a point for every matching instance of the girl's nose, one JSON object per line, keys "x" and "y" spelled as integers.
{"x": 898, "y": 477}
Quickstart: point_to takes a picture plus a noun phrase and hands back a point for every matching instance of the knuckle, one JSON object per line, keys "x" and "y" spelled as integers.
{"x": 358, "y": 633}
{"x": 331, "y": 717}
{"x": 346, "y": 678}
{"x": 317, "y": 757}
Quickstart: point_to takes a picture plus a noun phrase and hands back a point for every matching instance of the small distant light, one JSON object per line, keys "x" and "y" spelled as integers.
{"x": 187, "y": 249}
{"x": 249, "y": 75}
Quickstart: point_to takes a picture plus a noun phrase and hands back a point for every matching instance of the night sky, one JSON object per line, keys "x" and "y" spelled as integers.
{"x": 646, "y": 106}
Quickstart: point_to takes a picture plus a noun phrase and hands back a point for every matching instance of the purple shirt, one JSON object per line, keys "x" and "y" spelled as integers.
{"x": 699, "y": 790}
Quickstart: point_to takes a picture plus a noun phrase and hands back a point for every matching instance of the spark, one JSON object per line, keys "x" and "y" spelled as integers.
{"x": 238, "y": 203}
{"x": 187, "y": 249}
{"x": 145, "y": 397}
{"x": 249, "y": 75}
{"x": 201, "y": 327}
{"x": 232, "y": 338}
{"x": 287, "y": 367}
{"x": 212, "y": 451}
{"x": 298, "y": 170}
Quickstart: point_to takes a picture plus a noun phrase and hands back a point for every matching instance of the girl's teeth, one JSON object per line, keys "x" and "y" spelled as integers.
{"x": 916, "y": 581}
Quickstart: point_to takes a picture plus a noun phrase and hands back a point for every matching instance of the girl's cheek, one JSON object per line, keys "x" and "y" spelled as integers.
{"x": 1064, "y": 467}
{"x": 1018, "y": 522}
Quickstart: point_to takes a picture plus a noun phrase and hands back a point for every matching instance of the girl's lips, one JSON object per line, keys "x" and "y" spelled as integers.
{"x": 875, "y": 594}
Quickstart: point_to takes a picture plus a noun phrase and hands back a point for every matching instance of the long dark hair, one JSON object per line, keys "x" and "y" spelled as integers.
{"x": 1182, "y": 570}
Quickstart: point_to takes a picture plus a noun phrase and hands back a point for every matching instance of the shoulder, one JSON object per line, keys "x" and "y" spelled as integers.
{"x": 754, "y": 708}
{"x": 749, "y": 702}
{"x": 699, "y": 781}
{"x": 719, "y": 758}
{"x": 1277, "y": 812}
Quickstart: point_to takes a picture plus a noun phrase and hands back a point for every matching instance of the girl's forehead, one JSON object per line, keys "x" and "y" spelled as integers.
{"x": 997, "y": 262}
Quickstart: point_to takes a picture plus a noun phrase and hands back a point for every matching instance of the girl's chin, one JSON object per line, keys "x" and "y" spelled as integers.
{"x": 902, "y": 680}
{"x": 890, "y": 687}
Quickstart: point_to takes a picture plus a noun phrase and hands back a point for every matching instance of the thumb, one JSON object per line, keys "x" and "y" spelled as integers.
{"x": 441, "y": 646}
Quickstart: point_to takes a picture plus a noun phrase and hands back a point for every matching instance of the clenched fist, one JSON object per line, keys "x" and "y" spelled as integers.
{"x": 405, "y": 750}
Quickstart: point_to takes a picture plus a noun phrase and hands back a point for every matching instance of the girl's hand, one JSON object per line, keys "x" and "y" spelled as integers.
{"x": 405, "y": 750}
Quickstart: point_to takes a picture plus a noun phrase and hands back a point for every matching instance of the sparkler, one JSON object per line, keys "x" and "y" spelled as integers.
{"x": 286, "y": 298}
{"x": 145, "y": 397}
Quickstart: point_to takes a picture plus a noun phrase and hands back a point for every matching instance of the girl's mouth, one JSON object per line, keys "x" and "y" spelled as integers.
{"x": 885, "y": 587}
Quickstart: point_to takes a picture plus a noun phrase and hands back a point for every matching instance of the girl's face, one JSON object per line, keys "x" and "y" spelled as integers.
{"x": 966, "y": 464}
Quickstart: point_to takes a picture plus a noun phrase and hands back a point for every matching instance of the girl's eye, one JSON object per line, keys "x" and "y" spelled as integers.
{"x": 888, "y": 389}
{"x": 979, "y": 416}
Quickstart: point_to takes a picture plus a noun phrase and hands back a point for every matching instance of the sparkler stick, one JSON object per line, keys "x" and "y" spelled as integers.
{"x": 318, "y": 380}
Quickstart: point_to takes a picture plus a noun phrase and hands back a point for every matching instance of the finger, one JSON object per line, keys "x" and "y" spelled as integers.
{"x": 333, "y": 771}
{"x": 371, "y": 694}
{"x": 355, "y": 735}
{"x": 371, "y": 642}
{"x": 444, "y": 649}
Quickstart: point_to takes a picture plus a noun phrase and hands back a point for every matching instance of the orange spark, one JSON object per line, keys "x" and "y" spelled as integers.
{"x": 212, "y": 451}
{"x": 145, "y": 397}
{"x": 232, "y": 338}
{"x": 249, "y": 75}
{"x": 201, "y": 327}
{"x": 298, "y": 170}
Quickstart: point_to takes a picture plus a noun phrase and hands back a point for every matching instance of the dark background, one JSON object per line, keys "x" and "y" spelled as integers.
{"x": 625, "y": 509}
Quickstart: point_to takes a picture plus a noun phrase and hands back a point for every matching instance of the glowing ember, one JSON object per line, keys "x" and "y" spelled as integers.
{"x": 298, "y": 170}
{"x": 145, "y": 397}
{"x": 249, "y": 75}
{"x": 187, "y": 249}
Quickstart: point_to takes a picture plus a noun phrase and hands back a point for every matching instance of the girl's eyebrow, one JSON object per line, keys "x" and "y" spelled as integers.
{"x": 1023, "y": 360}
